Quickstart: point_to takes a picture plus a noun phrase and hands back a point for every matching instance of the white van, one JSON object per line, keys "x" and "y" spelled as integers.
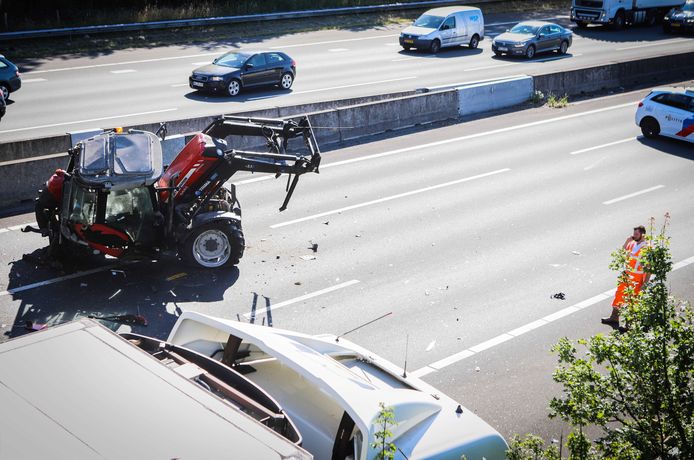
{"x": 443, "y": 27}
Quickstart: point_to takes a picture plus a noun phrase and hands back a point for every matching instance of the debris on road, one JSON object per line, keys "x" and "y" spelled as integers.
{"x": 559, "y": 295}
{"x": 118, "y": 272}
{"x": 32, "y": 326}
{"x": 308, "y": 257}
{"x": 477, "y": 369}
{"x": 123, "y": 319}
{"x": 83, "y": 284}
{"x": 314, "y": 247}
{"x": 176, "y": 276}
{"x": 114, "y": 294}
{"x": 172, "y": 293}
{"x": 431, "y": 345}
{"x": 576, "y": 253}
{"x": 327, "y": 222}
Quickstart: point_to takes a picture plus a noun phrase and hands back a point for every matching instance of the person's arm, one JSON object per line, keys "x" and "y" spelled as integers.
{"x": 629, "y": 240}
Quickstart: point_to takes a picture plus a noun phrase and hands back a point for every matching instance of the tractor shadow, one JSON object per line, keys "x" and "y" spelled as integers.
{"x": 145, "y": 297}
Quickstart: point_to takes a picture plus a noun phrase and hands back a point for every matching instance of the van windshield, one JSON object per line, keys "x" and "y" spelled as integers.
{"x": 428, "y": 21}
{"x": 524, "y": 29}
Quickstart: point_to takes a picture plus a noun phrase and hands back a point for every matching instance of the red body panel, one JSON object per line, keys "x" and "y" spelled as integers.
{"x": 111, "y": 238}
{"x": 190, "y": 166}
{"x": 55, "y": 184}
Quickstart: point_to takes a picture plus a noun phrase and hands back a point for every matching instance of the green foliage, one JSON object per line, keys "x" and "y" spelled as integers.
{"x": 530, "y": 448}
{"x": 637, "y": 387}
{"x": 385, "y": 419}
{"x": 538, "y": 97}
{"x": 556, "y": 102}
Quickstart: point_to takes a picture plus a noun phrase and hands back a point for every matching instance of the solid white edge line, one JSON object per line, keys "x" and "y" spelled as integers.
{"x": 60, "y": 279}
{"x": 334, "y": 41}
{"x": 123, "y": 71}
{"x": 310, "y": 295}
{"x": 32, "y": 80}
{"x": 643, "y": 45}
{"x": 610, "y": 144}
{"x": 486, "y": 345}
{"x": 632, "y": 195}
{"x": 90, "y": 120}
{"x": 26, "y": 160}
{"x": 389, "y": 198}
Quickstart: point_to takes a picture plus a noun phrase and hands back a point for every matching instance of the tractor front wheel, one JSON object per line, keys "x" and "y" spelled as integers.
{"x": 213, "y": 245}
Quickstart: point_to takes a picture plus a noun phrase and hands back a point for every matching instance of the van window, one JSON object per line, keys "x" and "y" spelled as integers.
{"x": 429, "y": 21}
{"x": 448, "y": 23}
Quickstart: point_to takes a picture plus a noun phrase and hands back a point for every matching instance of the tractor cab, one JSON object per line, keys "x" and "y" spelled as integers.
{"x": 108, "y": 201}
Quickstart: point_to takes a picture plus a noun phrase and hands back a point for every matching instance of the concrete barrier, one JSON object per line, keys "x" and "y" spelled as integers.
{"x": 494, "y": 95}
{"x": 651, "y": 71}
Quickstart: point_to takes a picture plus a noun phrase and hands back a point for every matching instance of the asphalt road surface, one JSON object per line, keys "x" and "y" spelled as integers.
{"x": 463, "y": 232}
{"x": 72, "y": 93}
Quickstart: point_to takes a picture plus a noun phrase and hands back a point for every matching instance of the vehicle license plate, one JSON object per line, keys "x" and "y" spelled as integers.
{"x": 408, "y": 41}
{"x": 197, "y": 83}
{"x": 674, "y": 24}
{"x": 503, "y": 48}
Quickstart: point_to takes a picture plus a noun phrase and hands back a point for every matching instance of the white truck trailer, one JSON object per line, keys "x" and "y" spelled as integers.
{"x": 618, "y": 13}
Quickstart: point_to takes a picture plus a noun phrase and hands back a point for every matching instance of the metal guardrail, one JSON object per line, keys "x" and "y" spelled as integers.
{"x": 231, "y": 19}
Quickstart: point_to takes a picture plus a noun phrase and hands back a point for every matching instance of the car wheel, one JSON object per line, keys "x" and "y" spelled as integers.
{"x": 234, "y": 87}
{"x": 5, "y": 91}
{"x": 564, "y": 47}
{"x": 213, "y": 245}
{"x": 406, "y": 48}
{"x": 582, "y": 24}
{"x": 286, "y": 81}
{"x": 530, "y": 52}
{"x": 435, "y": 46}
{"x": 618, "y": 21}
{"x": 650, "y": 127}
{"x": 666, "y": 28}
{"x": 474, "y": 42}
{"x": 498, "y": 53}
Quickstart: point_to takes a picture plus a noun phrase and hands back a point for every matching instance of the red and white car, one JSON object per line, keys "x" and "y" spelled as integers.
{"x": 667, "y": 112}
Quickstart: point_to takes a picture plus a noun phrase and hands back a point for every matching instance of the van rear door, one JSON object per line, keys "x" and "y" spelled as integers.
{"x": 461, "y": 22}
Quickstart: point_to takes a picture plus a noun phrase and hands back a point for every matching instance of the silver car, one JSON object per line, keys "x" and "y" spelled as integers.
{"x": 531, "y": 37}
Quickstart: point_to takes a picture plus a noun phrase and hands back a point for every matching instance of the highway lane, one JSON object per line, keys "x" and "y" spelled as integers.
{"x": 463, "y": 232}
{"x": 148, "y": 85}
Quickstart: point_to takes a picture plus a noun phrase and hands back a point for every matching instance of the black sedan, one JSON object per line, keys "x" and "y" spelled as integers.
{"x": 531, "y": 37}
{"x": 237, "y": 70}
{"x": 680, "y": 19}
{"x": 10, "y": 80}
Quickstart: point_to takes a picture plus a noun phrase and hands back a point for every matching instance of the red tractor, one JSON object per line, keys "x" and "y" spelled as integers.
{"x": 117, "y": 198}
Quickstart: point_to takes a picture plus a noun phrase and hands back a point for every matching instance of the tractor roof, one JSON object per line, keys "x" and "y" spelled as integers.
{"x": 119, "y": 161}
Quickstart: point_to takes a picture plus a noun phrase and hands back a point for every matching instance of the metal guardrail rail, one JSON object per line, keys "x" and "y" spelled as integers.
{"x": 39, "y": 33}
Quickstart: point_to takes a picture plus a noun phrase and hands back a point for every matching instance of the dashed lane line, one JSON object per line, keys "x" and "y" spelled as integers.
{"x": 517, "y": 332}
{"x": 310, "y": 295}
{"x": 632, "y": 195}
{"x": 609, "y": 144}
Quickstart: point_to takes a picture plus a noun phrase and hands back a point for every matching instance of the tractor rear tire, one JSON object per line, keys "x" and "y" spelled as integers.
{"x": 214, "y": 245}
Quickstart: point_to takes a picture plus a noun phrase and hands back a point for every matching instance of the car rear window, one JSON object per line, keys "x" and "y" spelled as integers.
{"x": 274, "y": 58}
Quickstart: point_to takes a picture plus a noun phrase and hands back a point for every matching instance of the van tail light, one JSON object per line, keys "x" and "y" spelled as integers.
{"x": 640, "y": 103}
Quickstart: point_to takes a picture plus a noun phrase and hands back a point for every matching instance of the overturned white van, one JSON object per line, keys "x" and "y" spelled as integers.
{"x": 445, "y": 27}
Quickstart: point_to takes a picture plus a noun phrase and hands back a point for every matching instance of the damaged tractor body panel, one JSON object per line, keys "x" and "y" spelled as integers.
{"x": 117, "y": 198}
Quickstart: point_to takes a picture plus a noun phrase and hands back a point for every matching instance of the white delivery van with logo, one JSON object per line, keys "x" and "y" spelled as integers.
{"x": 444, "y": 27}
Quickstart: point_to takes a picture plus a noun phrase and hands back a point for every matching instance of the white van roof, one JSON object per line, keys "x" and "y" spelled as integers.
{"x": 446, "y": 10}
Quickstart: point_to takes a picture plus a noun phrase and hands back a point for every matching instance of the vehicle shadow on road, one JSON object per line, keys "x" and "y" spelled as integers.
{"x": 670, "y": 146}
{"x": 651, "y": 34}
{"x": 245, "y": 95}
{"x": 444, "y": 53}
{"x": 146, "y": 297}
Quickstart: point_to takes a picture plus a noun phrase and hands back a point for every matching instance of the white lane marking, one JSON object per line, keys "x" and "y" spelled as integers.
{"x": 310, "y": 295}
{"x": 486, "y": 345}
{"x": 32, "y": 80}
{"x": 631, "y": 195}
{"x": 337, "y": 50}
{"x": 3, "y": 230}
{"x": 17, "y": 227}
{"x": 610, "y": 144}
{"x": 334, "y": 41}
{"x": 38, "y": 157}
{"x": 89, "y": 120}
{"x": 179, "y": 85}
{"x": 123, "y": 71}
{"x": 448, "y": 141}
{"x": 354, "y": 85}
{"x": 516, "y": 22}
{"x": 390, "y": 198}
{"x": 661, "y": 43}
{"x": 392, "y": 44}
{"x": 197, "y": 64}
{"x": 403, "y": 59}
{"x": 488, "y": 67}
{"x": 113, "y": 64}
{"x": 13, "y": 291}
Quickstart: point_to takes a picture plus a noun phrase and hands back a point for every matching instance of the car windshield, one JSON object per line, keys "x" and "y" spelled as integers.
{"x": 689, "y": 6}
{"x": 428, "y": 21}
{"x": 231, "y": 59}
{"x": 525, "y": 29}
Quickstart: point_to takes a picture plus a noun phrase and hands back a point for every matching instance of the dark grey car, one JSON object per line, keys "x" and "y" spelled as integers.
{"x": 233, "y": 71}
{"x": 532, "y": 37}
{"x": 9, "y": 77}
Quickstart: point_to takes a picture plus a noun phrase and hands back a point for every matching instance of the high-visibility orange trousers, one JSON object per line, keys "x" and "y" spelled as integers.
{"x": 636, "y": 280}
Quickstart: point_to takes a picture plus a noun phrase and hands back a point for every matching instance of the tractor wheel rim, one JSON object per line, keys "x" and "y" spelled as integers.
{"x": 211, "y": 249}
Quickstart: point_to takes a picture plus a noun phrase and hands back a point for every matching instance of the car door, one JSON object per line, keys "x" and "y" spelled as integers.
{"x": 275, "y": 65}
{"x": 556, "y": 34}
{"x": 544, "y": 39}
{"x": 448, "y": 31}
{"x": 678, "y": 119}
{"x": 255, "y": 71}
